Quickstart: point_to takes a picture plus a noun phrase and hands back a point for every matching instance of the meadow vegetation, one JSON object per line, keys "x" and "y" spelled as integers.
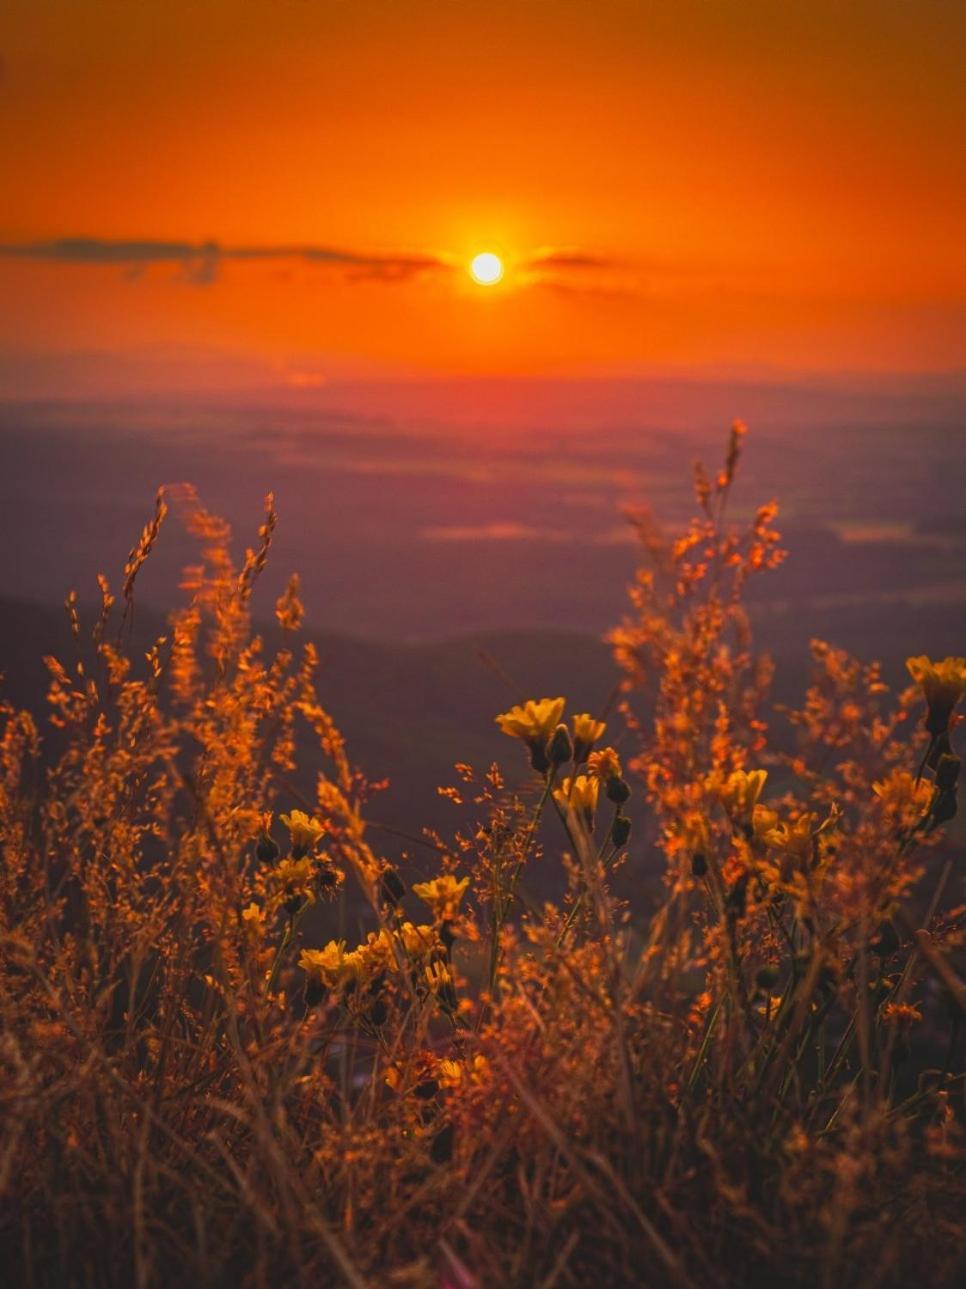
{"x": 748, "y": 1074}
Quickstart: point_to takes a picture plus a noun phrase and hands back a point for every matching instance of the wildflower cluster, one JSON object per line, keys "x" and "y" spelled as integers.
{"x": 728, "y": 1052}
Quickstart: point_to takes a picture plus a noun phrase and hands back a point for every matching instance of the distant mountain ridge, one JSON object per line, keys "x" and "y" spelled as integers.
{"x": 410, "y": 711}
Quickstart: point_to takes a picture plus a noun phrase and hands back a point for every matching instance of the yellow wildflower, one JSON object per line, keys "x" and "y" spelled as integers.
{"x": 418, "y": 940}
{"x": 296, "y": 877}
{"x": 304, "y": 831}
{"x": 579, "y": 795}
{"x": 901, "y": 1013}
{"x": 604, "y": 765}
{"x": 452, "y": 1073}
{"x": 534, "y": 721}
{"x": 254, "y": 920}
{"x": 795, "y": 839}
{"x": 587, "y": 731}
{"x": 442, "y": 894}
{"x": 332, "y": 966}
{"x": 740, "y": 792}
{"x": 903, "y": 798}
{"x": 943, "y": 685}
{"x": 377, "y": 954}
{"x": 764, "y": 825}
{"x": 438, "y": 977}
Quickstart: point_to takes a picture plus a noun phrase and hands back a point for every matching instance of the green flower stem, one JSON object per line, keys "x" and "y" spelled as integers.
{"x": 579, "y": 901}
{"x": 500, "y": 906}
{"x": 287, "y": 939}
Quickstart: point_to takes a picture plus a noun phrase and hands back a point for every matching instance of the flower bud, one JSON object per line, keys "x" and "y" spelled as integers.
{"x": 947, "y": 772}
{"x": 560, "y": 749}
{"x": 391, "y": 886}
{"x": 266, "y": 850}
{"x": 943, "y": 808}
{"x": 620, "y": 830}
{"x": 315, "y": 992}
{"x": 327, "y": 879}
{"x": 617, "y": 791}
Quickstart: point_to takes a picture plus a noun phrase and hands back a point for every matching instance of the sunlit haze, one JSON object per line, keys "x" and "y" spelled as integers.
{"x": 291, "y": 192}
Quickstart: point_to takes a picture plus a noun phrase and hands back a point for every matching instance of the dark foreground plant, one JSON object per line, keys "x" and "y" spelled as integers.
{"x": 752, "y": 1077}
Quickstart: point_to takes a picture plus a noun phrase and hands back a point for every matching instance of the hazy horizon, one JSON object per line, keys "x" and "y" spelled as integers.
{"x": 419, "y": 510}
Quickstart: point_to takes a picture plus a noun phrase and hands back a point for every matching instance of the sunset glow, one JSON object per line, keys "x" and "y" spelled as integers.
{"x": 678, "y": 187}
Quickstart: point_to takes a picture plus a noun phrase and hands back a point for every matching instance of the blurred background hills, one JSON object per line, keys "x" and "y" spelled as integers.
{"x": 462, "y": 546}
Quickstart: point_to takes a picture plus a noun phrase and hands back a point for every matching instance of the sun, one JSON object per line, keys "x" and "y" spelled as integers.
{"x": 486, "y": 268}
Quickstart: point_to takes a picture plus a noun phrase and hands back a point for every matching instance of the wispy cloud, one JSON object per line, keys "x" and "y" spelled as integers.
{"x": 572, "y": 271}
{"x": 569, "y": 270}
{"x": 500, "y": 531}
{"x": 200, "y": 262}
{"x": 554, "y": 259}
{"x": 583, "y": 274}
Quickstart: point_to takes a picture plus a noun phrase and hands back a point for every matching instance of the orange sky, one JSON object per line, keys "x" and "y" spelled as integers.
{"x": 677, "y": 184}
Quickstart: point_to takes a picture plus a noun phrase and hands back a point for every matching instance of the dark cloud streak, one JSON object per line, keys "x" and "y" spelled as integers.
{"x": 567, "y": 270}
{"x": 560, "y": 259}
{"x": 201, "y": 261}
